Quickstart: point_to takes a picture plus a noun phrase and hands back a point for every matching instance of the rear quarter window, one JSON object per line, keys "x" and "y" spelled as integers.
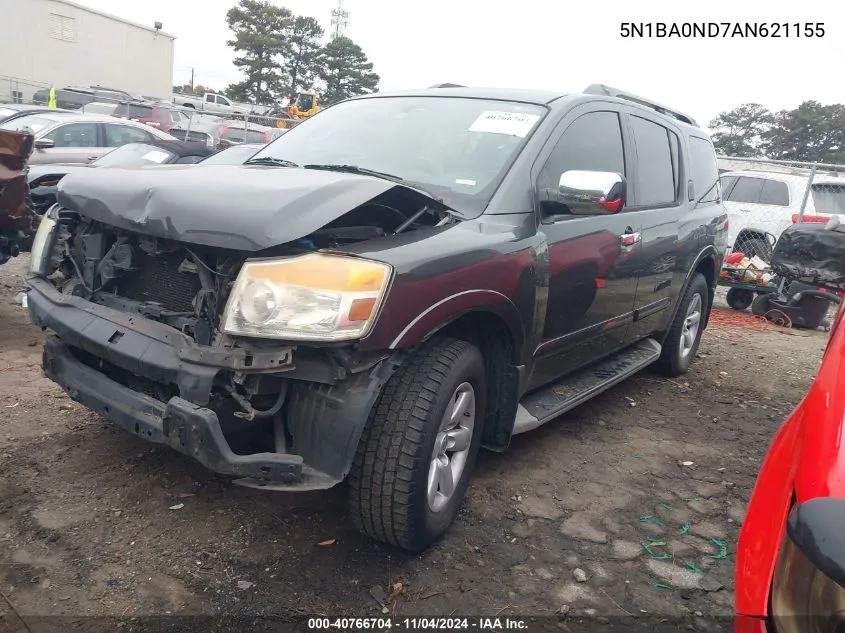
{"x": 705, "y": 170}
{"x": 775, "y": 193}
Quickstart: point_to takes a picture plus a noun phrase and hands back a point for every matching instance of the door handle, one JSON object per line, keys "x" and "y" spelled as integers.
{"x": 629, "y": 239}
{"x": 91, "y": 159}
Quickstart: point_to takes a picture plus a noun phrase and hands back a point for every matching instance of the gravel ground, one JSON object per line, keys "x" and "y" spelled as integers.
{"x": 89, "y": 523}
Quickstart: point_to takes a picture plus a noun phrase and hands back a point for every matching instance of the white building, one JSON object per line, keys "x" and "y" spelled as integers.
{"x": 60, "y": 43}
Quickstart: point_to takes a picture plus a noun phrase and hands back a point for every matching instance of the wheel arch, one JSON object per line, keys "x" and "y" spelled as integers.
{"x": 492, "y": 323}
{"x": 708, "y": 263}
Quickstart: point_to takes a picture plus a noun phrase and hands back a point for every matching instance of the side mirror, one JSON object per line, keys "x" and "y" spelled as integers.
{"x": 592, "y": 192}
{"x": 816, "y": 529}
{"x": 44, "y": 143}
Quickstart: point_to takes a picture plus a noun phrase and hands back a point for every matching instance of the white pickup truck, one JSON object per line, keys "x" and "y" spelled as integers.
{"x": 210, "y": 102}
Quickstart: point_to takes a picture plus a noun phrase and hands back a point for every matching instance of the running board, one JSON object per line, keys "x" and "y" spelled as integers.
{"x": 547, "y": 403}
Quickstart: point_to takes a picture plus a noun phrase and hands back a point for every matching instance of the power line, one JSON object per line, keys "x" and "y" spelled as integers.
{"x": 340, "y": 20}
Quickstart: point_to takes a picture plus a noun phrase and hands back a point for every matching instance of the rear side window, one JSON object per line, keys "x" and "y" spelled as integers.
{"x": 775, "y": 192}
{"x": 727, "y": 184}
{"x": 655, "y": 176}
{"x": 746, "y": 189}
{"x": 705, "y": 170}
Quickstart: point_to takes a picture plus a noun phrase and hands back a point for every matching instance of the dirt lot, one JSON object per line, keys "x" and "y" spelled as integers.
{"x": 94, "y": 521}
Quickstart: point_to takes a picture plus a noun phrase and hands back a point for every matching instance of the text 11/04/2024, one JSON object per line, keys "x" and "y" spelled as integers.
{"x": 722, "y": 29}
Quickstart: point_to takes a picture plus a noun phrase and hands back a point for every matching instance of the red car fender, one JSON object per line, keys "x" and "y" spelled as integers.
{"x": 765, "y": 520}
{"x": 807, "y": 469}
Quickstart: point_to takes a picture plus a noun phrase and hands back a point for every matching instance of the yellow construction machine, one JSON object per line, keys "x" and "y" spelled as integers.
{"x": 306, "y": 105}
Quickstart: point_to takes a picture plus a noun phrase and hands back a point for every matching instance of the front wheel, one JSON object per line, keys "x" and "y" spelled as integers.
{"x": 681, "y": 343}
{"x": 414, "y": 460}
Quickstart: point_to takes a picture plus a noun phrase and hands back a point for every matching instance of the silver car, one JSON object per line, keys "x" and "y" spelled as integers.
{"x": 80, "y": 138}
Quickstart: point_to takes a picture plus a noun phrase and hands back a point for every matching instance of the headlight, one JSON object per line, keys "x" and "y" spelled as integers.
{"x": 804, "y": 598}
{"x": 42, "y": 244}
{"x": 315, "y": 297}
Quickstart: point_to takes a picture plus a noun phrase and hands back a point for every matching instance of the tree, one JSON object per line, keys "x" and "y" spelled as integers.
{"x": 260, "y": 30}
{"x": 303, "y": 60}
{"x": 345, "y": 71}
{"x": 812, "y": 132}
{"x": 740, "y": 132}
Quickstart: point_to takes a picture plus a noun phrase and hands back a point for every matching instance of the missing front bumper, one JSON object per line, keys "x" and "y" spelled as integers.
{"x": 188, "y": 428}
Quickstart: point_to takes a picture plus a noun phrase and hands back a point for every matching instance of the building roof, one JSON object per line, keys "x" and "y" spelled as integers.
{"x": 114, "y": 17}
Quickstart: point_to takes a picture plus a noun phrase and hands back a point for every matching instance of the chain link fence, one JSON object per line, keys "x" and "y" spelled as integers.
{"x": 763, "y": 198}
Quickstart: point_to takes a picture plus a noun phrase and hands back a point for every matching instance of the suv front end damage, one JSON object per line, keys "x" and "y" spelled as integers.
{"x": 245, "y": 363}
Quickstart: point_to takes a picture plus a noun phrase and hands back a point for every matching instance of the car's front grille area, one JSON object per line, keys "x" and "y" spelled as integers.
{"x": 158, "y": 279}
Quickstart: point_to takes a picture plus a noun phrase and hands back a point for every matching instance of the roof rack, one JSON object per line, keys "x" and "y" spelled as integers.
{"x": 601, "y": 89}
{"x": 447, "y": 86}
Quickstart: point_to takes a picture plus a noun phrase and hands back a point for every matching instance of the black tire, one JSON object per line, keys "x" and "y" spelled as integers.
{"x": 739, "y": 299}
{"x": 672, "y": 361}
{"x": 388, "y": 482}
{"x": 760, "y": 306}
{"x": 758, "y": 247}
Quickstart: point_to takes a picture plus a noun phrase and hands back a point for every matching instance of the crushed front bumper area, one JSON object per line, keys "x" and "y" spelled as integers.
{"x": 326, "y": 419}
{"x": 190, "y": 429}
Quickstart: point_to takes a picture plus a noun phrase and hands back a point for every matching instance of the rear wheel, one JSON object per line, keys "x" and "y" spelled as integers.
{"x": 739, "y": 299}
{"x": 414, "y": 460}
{"x": 684, "y": 335}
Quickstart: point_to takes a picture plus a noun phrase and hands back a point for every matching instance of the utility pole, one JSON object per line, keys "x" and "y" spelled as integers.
{"x": 340, "y": 20}
{"x": 192, "y": 79}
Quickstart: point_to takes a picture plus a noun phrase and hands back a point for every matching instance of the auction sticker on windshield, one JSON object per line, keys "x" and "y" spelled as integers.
{"x": 510, "y": 123}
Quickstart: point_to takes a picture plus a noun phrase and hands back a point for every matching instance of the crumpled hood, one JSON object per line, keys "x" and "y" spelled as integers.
{"x": 242, "y": 207}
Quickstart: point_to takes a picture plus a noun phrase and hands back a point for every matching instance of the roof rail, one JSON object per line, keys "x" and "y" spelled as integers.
{"x": 601, "y": 89}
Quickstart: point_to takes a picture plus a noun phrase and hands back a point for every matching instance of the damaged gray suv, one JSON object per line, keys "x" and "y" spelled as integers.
{"x": 391, "y": 285}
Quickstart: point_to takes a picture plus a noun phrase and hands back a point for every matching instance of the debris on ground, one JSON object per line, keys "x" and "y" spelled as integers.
{"x": 579, "y": 575}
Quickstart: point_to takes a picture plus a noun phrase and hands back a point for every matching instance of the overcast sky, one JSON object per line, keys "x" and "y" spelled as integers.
{"x": 547, "y": 44}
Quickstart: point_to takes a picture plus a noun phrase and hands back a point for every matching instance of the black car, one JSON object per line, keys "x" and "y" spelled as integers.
{"x": 44, "y": 179}
{"x": 386, "y": 288}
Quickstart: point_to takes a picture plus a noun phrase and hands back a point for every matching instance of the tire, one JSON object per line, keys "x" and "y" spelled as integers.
{"x": 760, "y": 306}
{"x": 739, "y": 299}
{"x": 388, "y": 482}
{"x": 756, "y": 247}
{"x": 675, "y": 360}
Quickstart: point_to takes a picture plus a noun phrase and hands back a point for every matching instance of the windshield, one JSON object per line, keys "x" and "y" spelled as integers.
{"x": 135, "y": 154}
{"x": 33, "y": 121}
{"x": 456, "y": 148}
{"x": 236, "y": 155}
{"x": 133, "y": 111}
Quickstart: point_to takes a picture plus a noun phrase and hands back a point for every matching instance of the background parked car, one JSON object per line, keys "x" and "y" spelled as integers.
{"x": 205, "y": 130}
{"x": 44, "y": 179}
{"x": 9, "y": 111}
{"x": 80, "y": 138}
{"x": 234, "y": 155}
{"x": 16, "y": 218}
{"x": 156, "y": 114}
{"x": 762, "y": 204}
{"x": 98, "y": 107}
{"x": 235, "y": 132}
{"x": 73, "y": 98}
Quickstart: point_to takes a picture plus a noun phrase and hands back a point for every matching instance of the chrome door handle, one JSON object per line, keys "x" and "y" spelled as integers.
{"x": 630, "y": 239}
